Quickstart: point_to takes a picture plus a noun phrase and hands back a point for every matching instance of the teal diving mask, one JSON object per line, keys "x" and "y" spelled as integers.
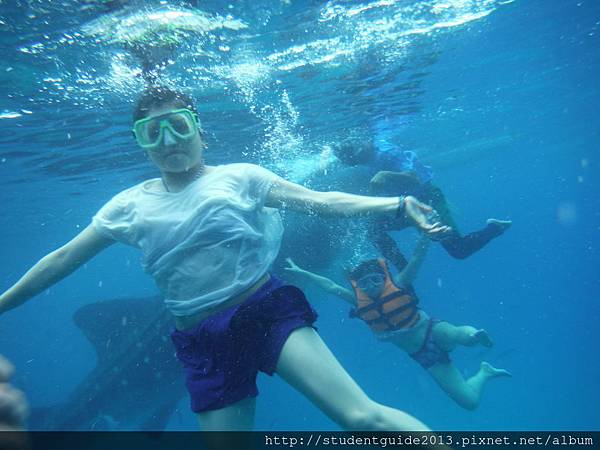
{"x": 181, "y": 123}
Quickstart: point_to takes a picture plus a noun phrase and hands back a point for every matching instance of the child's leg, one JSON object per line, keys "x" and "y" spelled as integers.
{"x": 448, "y": 336}
{"x": 467, "y": 393}
{"x": 236, "y": 417}
{"x": 309, "y": 366}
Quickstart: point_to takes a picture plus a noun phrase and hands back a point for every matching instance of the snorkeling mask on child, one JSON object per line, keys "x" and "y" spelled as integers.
{"x": 371, "y": 281}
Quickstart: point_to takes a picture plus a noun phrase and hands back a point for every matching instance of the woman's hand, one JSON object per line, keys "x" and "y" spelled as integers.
{"x": 420, "y": 214}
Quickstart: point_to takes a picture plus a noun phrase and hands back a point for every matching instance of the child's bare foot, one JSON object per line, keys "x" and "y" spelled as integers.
{"x": 493, "y": 372}
{"x": 482, "y": 337}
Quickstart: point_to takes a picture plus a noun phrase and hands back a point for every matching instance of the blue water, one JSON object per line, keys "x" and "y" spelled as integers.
{"x": 501, "y": 98}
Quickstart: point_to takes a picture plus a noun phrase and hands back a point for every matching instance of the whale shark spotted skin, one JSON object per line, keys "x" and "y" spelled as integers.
{"x": 137, "y": 382}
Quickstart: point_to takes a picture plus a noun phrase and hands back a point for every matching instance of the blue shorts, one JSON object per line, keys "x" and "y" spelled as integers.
{"x": 223, "y": 354}
{"x": 430, "y": 354}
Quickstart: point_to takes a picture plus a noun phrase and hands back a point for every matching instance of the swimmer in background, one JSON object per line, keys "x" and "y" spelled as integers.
{"x": 402, "y": 173}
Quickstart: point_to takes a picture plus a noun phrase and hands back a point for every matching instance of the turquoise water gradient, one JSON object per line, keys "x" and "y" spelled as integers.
{"x": 505, "y": 107}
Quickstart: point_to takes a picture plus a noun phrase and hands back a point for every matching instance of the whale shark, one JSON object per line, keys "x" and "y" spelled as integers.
{"x": 137, "y": 382}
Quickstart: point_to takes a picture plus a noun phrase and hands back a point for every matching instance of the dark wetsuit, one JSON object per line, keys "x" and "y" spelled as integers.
{"x": 457, "y": 245}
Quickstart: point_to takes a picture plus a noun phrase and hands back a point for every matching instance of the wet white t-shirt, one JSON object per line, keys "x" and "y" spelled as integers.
{"x": 205, "y": 244}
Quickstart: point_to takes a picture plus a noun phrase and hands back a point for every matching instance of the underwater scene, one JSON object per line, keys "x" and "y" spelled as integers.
{"x": 425, "y": 173}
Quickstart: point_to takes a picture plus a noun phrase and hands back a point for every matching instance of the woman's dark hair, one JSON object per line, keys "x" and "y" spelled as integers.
{"x": 364, "y": 268}
{"x": 159, "y": 95}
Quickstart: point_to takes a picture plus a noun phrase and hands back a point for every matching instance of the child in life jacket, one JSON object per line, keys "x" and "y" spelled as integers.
{"x": 389, "y": 306}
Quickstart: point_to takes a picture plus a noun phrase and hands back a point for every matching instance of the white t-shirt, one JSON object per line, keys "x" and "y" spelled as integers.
{"x": 205, "y": 244}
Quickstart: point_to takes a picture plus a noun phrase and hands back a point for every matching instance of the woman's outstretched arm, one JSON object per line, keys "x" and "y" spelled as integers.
{"x": 54, "y": 267}
{"x": 284, "y": 194}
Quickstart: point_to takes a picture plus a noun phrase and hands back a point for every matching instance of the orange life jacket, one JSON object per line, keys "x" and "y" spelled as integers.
{"x": 395, "y": 308}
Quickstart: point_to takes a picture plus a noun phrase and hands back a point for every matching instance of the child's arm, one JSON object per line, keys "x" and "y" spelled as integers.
{"x": 324, "y": 283}
{"x": 387, "y": 246}
{"x": 409, "y": 273}
{"x": 54, "y": 267}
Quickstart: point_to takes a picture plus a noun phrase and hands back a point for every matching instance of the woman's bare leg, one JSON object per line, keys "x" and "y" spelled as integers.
{"x": 236, "y": 417}
{"x": 309, "y": 366}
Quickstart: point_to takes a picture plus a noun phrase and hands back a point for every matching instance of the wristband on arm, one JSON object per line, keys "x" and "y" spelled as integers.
{"x": 401, "y": 210}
